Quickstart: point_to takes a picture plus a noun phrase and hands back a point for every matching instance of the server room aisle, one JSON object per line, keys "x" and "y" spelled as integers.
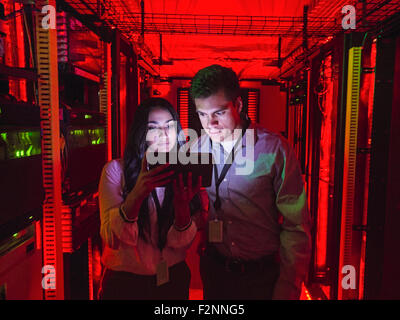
{"x": 323, "y": 74}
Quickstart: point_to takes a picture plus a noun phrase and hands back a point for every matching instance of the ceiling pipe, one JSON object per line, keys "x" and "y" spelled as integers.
{"x": 142, "y": 20}
{"x": 279, "y": 52}
{"x": 305, "y": 25}
{"x": 161, "y": 53}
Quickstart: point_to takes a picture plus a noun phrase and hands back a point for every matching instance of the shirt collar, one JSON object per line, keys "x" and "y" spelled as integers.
{"x": 253, "y": 127}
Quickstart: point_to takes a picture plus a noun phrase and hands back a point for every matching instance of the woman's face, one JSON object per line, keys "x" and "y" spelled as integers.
{"x": 161, "y": 131}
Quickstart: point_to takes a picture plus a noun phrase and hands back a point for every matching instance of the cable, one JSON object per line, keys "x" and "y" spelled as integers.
{"x": 364, "y": 38}
{"x": 32, "y": 60}
{"x": 321, "y": 89}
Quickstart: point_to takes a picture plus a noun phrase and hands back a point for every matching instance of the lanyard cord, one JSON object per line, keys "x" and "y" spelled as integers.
{"x": 218, "y": 180}
{"x": 159, "y": 217}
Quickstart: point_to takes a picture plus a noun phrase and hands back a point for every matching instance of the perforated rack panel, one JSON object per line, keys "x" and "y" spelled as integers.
{"x": 46, "y": 50}
{"x": 349, "y": 167}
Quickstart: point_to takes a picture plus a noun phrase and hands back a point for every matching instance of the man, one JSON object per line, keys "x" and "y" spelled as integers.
{"x": 259, "y": 226}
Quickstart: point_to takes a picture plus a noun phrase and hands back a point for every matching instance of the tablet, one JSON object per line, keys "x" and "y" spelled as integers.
{"x": 198, "y": 163}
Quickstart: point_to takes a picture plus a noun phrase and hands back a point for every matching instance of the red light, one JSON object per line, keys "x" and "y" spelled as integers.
{"x": 325, "y": 170}
{"x": 252, "y": 108}
{"x": 183, "y": 107}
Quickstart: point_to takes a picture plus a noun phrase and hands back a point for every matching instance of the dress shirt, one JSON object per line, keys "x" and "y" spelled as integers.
{"x": 124, "y": 250}
{"x": 265, "y": 210}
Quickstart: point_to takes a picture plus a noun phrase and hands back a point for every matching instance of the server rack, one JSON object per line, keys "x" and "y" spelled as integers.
{"x": 21, "y": 156}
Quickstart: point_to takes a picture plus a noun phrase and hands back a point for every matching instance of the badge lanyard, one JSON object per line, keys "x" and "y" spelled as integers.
{"x": 218, "y": 180}
{"x": 215, "y": 227}
{"x": 162, "y": 271}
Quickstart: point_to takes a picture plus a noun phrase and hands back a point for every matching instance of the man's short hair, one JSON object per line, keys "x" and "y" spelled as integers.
{"x": 211, "y": 79}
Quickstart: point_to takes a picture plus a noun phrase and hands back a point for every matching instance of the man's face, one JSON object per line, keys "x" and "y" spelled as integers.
{"x": 219, "y": 116}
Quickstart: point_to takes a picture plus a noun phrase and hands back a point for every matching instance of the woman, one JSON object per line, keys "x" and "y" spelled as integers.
{"x": 148, "y": 219}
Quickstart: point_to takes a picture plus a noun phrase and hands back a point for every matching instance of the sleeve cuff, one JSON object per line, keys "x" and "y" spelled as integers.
{"x": 180, "y": 239}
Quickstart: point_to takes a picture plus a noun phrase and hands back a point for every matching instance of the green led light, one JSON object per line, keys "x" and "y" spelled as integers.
{"x": 31, "y": 217}
{"x": 84, "y": 137}
{"x": 21, "y": 143}
{"x": 29, "y": 151}
{"x": 15, "y": 235}
{"x": 88, "y": 116}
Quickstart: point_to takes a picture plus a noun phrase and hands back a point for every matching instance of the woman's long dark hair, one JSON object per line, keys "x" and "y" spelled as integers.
{"x": 134, "y": 152}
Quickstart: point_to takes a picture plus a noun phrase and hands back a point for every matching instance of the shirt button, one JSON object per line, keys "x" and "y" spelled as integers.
{"x": 229, "y": 222}
{"x": 233, "y": 243}
{"x": 225, "y": 179}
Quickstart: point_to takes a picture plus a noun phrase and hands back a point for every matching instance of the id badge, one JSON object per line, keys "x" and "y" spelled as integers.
{"x": 215, "y": 231}
{"x": 162, "y": 273}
